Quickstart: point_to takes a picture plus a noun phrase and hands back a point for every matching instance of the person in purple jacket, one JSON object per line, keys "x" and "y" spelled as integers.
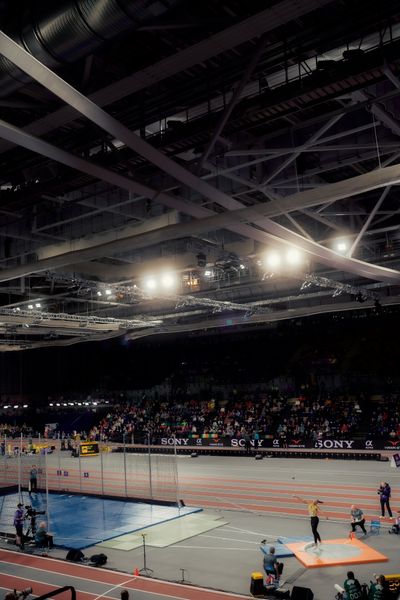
{"x": 385, "y": 493}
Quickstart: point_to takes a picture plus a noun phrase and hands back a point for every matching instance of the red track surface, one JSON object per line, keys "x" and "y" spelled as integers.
{"x": 72, "y": 574}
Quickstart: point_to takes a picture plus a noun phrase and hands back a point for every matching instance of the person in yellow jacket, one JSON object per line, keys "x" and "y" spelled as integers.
{"x": 314, "y": 511}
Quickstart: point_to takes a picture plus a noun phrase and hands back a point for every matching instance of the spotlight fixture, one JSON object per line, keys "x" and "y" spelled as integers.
{"x": 294, "y": 257}
{"x": 168, "y": 281}
{"x": 99, "y": 293}
{"x": 273, "y": 260}
{"x": 341, "y": 246}
{"x": 208, "y": 273}
{"x": 38, "y": 305}
{"x": 150, "y": 284}
{"x": 108, "y": 292}
{"x": 30, "y": 306}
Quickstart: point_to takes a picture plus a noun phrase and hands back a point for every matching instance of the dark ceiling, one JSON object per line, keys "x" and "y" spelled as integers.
{"x": 215, "y": 163}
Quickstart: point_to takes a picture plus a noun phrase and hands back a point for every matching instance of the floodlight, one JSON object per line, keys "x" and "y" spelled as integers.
{"x": 273, "y": 260}
{"x": 38, "y": 305}
{"x": 294, "y": 256}
{"x": 150, "y": 284}
{"x": 341, "y": 246}
{"x": 168, "y": 281}
{"x": 30, "y": 306}
{"x": 208, "y": 273}
{"x": 108, "y": 292}
{"x": 99, "y": 293}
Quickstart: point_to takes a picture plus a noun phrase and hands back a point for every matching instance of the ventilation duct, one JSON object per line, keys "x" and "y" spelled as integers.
{"x": 62, "y": 32}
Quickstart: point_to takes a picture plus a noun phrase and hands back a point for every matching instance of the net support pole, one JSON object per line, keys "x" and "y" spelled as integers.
{"x": 150, "y": 473}
{"x": 178, "y": 502}
{"x": 126, "y": 483}
{"x": 5, "y": 457}
{"x": 101, "y": 468}
{"x": 59, "y": 467}
{"x": 20, "y": 469}
{"x": 80, "y": 467}
{"x": 47, "y": 488}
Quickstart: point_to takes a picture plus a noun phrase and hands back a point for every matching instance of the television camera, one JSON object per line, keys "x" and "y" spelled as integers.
{"x": 32, "y": 514}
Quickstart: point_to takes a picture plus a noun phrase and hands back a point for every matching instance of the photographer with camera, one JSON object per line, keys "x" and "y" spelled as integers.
{"x": 42, "y": 538}
{"x": 385, "y": 492}
{"x": 19, "y": 524}
{"x": 31, "y": 514}
{"x": 18, "y": 595}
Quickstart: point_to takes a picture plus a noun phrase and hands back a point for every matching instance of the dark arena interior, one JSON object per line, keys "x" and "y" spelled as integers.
{"x": 199, "y": 299}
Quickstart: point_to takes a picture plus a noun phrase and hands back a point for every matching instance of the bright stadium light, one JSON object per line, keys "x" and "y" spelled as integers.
{"x": 168, "y": 281}
{"x": 30, "y": 306}
{"x": 273, "y": 260}
{"x": 108, "y": 292}
{"x": 150, "y": 284}
{"x": 341, "y": 246}
{"x": 294, "y": 257}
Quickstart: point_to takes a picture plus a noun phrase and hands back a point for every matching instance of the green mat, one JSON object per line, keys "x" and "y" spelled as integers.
{"x": 166, "y": 534}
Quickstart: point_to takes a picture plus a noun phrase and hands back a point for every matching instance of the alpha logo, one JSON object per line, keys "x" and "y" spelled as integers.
{"x": 199, "y": 442}
{"x": 275, "y": 444}
{"x": 329, "y": 444}
{"x": 369, "y": 444}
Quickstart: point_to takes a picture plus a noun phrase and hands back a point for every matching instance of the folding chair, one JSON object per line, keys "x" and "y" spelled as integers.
{"x": 375, "y": 527}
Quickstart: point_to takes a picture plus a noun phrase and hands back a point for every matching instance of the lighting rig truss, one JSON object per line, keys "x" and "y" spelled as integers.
{"x": 338, "y": 287}
{"x": 36, "y": 317}
{"x": 133, "y": 292}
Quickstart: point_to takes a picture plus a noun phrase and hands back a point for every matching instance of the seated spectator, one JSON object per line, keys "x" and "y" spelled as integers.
{"x": 351, "y": 589}
{"x": 357, "y": 519}
{"x": 42, "y": 538}
{"x": 271, "y": 564}
{"x": 378, "y": 590}
{"x": 396, "y": 525}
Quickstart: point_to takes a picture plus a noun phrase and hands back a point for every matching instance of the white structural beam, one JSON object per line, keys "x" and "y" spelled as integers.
{"x": 235, "y": 220}
{"x": 276, "y": 232}
{"x": 251, "y": 28}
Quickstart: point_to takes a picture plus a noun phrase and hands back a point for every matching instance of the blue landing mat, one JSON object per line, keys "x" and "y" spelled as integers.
{"x": 291, "y": 540}
{"x": 281, "y": 551}
{"x": 82, "y": 521}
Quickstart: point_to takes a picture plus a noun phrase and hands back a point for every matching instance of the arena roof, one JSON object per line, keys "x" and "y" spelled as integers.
{"x": 169, "y": 166}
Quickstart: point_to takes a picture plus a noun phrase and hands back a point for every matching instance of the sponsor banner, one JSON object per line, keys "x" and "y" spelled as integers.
{"x": 289, "y": 443}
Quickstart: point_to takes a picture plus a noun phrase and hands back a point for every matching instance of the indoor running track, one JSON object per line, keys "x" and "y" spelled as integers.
{"x": 46, "y": 574}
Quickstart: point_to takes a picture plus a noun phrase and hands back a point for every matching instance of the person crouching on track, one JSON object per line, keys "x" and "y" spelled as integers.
{"x": 271, "y": 564}
{"x": 357, "y": 519}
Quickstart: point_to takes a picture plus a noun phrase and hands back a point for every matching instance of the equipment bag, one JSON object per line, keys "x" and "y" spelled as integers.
{"x": 98, "y": 560}
{"x": 75, "y": 555}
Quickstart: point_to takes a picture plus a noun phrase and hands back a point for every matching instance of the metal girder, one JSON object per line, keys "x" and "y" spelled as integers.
{"x": 229, "y": 38}
{"x": 235, "y": 97}
{"x": 279, "y": 234}
{"x": 296, "y": 154}
{"x": 368, "y": 220}
{"x": 234, "y": 220}
{"x": 303, "y": 147}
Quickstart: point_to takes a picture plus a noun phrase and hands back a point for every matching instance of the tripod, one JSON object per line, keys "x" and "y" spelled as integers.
{"x": 32, "y": 528}
{"x": 145, "y": 571}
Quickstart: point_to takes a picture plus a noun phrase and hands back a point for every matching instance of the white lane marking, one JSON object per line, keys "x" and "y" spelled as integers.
{"x": 217, "y": 537}
{"x": 115, "y": 587}
{"x": 219, "y": 548}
